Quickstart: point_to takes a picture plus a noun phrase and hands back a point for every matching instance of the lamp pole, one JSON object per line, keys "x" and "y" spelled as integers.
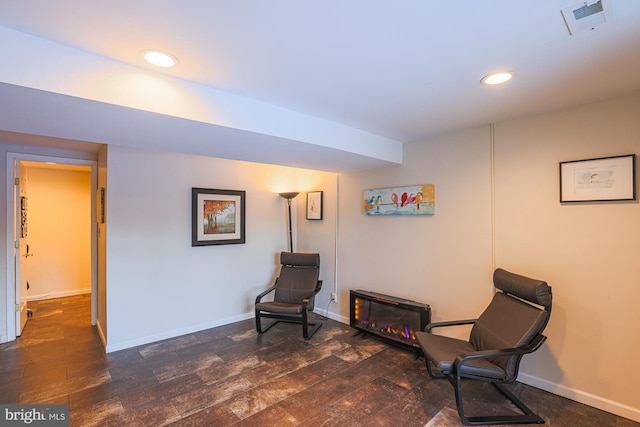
{"x": 289, "y": 196}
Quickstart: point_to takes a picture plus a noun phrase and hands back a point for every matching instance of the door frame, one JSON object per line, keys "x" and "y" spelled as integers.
{"x": 12, "y": 159}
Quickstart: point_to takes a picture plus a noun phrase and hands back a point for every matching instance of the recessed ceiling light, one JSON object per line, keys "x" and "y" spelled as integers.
{"x": 159, "y": 59}
{"x": 496, "y": 78}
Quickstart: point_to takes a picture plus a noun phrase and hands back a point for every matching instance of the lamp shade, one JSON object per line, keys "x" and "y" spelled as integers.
{"x": 290, "y": 195}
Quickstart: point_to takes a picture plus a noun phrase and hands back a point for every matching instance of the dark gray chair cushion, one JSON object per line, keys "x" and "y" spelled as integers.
{"x": 298, "y": 280}
{"x": 442, "y": 351}
{"x": 532, "y": 290}
{"x": 295, "y": 290}
{"x": 508, "y": 322}
{"x": 510, "y": 327}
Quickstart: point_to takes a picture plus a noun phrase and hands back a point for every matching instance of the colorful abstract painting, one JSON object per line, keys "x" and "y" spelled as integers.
{"x": 409, "y": 200}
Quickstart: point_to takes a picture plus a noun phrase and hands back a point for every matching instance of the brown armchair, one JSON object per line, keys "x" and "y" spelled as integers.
{"x": 295, "y": 289}
{"x": 510, "y": 327}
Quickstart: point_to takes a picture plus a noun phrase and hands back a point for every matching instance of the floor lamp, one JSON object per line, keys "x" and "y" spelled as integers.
{"x": 289, "y": 196}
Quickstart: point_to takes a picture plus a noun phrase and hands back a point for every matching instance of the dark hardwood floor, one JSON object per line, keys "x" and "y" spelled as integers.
{"x": 231, "y": 376}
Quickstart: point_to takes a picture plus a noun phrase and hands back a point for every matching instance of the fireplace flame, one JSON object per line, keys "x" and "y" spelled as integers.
{"x": 397, "y": 322}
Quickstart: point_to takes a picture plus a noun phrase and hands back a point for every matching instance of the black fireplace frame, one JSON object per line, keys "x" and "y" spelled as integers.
{"x": 424, "y": 311}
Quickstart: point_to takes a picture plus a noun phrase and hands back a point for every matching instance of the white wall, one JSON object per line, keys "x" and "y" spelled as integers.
{"x": 497, "y": 205}
{"x": 320, "y": 235}
{"x": 158, "y": 285}
{"x": 59, "y": 232}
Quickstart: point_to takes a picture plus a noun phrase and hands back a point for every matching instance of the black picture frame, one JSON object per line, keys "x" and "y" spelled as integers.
{"x": 314, "y": 205}
{"x": 603, "y": 179}
{"x": 218, "y": 217}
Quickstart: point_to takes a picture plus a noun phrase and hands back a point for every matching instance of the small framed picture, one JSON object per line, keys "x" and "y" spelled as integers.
{"x": 314, "y": 205}
{"x": 217, "y": 217}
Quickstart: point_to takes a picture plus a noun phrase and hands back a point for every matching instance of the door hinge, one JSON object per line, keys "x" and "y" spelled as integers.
{"x": 16, "y": 181}
{"x": 16, "y": 244}
{"x": 17, "y": 308}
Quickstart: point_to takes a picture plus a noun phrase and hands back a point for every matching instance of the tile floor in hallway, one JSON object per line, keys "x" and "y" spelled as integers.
{"x": 230, "y": 376}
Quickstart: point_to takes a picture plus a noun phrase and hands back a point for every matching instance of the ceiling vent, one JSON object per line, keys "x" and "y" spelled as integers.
{"x": 587, "y": 16}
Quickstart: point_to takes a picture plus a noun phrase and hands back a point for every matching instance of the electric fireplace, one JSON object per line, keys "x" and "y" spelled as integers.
{"x": 394, "y": 320}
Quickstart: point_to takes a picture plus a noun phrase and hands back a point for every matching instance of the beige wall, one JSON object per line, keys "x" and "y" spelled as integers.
{"x": 424, "y": 258}
{"x": 588, "y": 252}
{"x": 497, "y": 205}
{"x": 59, "y": 232}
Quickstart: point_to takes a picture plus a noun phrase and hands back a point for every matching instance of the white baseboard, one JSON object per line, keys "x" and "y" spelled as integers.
{"x": 582, "y": 397}
{"x": 333, "y": 316}
{"x": 59, "y": 294}
{"x": 101, "y": 334}
{"x": 110, "y": 347}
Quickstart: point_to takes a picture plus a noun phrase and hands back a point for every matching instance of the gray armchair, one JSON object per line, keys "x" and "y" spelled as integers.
{"x": 295, "y": 289}
{"x": 510, "y": 327}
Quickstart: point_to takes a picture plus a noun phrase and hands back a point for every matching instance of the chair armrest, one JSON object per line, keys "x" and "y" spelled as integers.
{"x": 315, "y": 292}
{"x": 259, "y": 297}
{"x": 430, "y": 326}
{"x": 487, "y": 354}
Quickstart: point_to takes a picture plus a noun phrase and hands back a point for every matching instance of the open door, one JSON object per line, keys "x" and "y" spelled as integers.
{"x": 23, "y": 262}
{"x": 21, "y": 247}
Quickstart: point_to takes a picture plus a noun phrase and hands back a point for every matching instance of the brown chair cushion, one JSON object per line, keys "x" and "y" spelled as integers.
{"x": 300, "y": 259}
{"x": 280, "y": 307}
{"x": 298, "y": 278}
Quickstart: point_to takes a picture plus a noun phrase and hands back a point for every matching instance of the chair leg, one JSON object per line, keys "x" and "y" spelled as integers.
{"x": 308, "y": 329}
{"x": 527, "y": 416}
{"x": 306, "y": 333}
{"x": 259, "y": 327}
{"x": 258, "y": 324}
{"x": 430, "y": 369}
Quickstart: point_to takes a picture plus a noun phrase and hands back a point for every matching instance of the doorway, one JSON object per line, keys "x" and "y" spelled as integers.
{"x": 37, "y": 264}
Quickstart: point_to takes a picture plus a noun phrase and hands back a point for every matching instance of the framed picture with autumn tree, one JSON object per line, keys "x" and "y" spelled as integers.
{"x": 217, "y": 217}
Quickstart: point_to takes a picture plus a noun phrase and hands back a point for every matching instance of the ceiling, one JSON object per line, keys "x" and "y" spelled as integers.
{"x": 329, "y": 73}
{"x": 56, "y": 166}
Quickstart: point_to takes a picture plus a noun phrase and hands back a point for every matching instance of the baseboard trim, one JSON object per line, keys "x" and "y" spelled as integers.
{"x": 111, "y": 347}
{"x": 598, "y": 402}
{"x": 55, "y": 294}
{"x": 101, "y": 335}
{"x": 332, "y": 316}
